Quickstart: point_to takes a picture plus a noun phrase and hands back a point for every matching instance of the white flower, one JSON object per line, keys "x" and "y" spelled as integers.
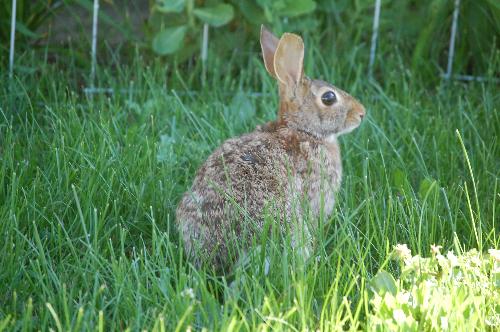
{"x": 452, "y": 258}
{"x": 389, "y": 300}
{"x": 399, "y": 316}
{"x": 444, "y": 322}
{"x": 476, "y": 260}
{"x": 495, "y": 254}
{"x": 403, "y": 297}
{"x": 415, "y": 262}
{"x": 442, "y": 261}
{"x": 435, "y": 249}
{"x": 401, "y": 252}
{"x": 188, "y": 292}
{"x": 376, "y": 301}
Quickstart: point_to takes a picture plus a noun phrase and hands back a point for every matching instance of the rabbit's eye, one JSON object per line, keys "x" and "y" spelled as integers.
{"x": 328, "y": 98}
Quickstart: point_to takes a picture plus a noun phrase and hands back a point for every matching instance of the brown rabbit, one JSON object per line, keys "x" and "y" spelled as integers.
{"x": 276, "y": 168}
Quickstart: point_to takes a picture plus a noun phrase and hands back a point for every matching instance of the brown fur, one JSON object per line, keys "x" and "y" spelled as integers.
{"x": 281, "y": 164}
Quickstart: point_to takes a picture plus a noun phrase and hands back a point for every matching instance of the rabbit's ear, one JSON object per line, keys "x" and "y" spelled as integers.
{"x": 289, "y": 59}
{"x": 268, "y": 43}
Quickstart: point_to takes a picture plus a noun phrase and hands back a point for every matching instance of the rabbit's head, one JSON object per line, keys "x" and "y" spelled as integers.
{"x": 308, "y": 105}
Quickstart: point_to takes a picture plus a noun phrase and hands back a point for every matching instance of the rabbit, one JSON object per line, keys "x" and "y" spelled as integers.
{"x": 294, "y": 159}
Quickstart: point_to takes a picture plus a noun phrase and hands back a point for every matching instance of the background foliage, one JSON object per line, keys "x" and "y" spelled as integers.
{"x": 419, "y": 30}
{"x": 30, "y": 16}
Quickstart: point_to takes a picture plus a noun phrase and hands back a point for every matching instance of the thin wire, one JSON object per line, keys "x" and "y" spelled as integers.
{"x": 12, "y": 38}
{"x": 204, "y": 52}
{"x": 376, "y": 17}
{"x": 130, "y": 91}
{"x": 94, "y": 43}
{"x": 451, "y": 52}
{"x": 204, "y": 45}
{"x": 470, "y": 78}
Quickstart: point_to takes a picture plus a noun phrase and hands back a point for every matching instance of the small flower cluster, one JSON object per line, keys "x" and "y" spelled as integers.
{"x": 444, "y": 292}
{"x": 189, "y": 293}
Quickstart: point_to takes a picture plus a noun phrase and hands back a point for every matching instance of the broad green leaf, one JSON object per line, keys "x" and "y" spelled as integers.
{"x": 252, "y": 12}
{"x": 298, "y": 7}
{"x": 170, "y": 6}
{"x": 384, "y": 282}
{"x": 169, "y": 40}
{"x": 217, "y": 15}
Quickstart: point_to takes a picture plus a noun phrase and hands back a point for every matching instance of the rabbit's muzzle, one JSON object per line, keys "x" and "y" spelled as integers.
{"x": 354, "y": 117}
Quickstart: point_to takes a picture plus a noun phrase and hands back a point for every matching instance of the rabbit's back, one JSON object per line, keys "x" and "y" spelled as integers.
{"x": 245, "y": 177}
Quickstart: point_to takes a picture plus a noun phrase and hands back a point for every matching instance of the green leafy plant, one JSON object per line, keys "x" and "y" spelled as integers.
{"x": 281, "y": 15}
{"x": 269, "y": 11}
{"x": 180, "y": 24}
{"x": 439, "y": 293}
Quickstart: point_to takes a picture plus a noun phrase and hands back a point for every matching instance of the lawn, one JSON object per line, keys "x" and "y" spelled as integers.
{"x": 89, "y": 187}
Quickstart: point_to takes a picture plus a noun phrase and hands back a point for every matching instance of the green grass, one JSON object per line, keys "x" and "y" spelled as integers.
{"x": 89, "y": 186}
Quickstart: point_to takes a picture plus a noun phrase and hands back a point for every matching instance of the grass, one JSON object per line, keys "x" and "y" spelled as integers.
{"x": 89, "y": 186}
